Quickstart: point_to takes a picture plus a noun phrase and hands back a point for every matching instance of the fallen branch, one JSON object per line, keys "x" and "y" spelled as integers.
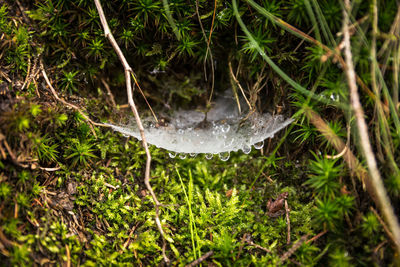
{"x": 128, "y": 73}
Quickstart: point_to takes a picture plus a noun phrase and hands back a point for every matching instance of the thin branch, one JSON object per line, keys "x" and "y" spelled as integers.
{"x": 385, "y": 228}
{"x": 293, "y": 249}
{"x": 109, "y": 93}
{"x": 316, "y": 237}
{"x": 53, "y": 91}
{"x": 238, "y": 85}
{"x": 287, "y": 222}
{"x": 128, "y": 71}
{"x": 247, "y": 239}
{"x": 207, "y": 51}
{"x": 376, "y": 180}
{"x": 201, "y": 259}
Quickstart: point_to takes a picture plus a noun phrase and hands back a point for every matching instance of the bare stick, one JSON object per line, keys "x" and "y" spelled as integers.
{"x": 316, "y": 237}
{"x": 238, "y": 85}
{"x": 376, "y": 180}
{"x": 53, "y": 91}
{"x": 109, "y": 93}
{"x": 293, "y": 249}
{"x": 201, "y": 259}
{"x": 207, "y": 51}
{"x": 247, "y": 238}
{"x": 287, "y": 222}
{"x": 128, "y": 71}
{"x": 387, "y": 231}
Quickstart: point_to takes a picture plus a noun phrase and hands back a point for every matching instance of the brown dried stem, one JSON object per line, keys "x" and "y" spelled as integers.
{"x": 287, "y": 210}
{"x": 128, "y": 73}
{"x": 376, "y": 180}
{"x": 201, "y": 259}
{"x": 53, "y": 91}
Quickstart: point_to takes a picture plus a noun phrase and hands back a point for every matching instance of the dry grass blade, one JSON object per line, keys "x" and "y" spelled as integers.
{"x": 128, "y": 72}
{"x": 376, "y": 180}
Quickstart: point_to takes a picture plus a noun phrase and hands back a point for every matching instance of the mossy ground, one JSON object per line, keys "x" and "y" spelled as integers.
{"x": 74, "y": 194}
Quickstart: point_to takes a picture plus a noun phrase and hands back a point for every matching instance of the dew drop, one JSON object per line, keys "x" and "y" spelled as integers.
{"x": 181, "y": 131}
{"x": 182, "y": 155}
{"x": 225, "y": 128}
{"x": 246, "y": 149}
{"x": 172, "y": 155}
{"x": 259, "y": 145}
{"x": 224, "y": 156}
{"x": 193, "y": 155}
{"x": 209, "y": 156}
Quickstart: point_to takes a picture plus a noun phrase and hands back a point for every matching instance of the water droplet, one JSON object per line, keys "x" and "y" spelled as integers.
{"x": 224, "y": 156}
{"x": 172, "y": 155}
{"x": 259, "y": 145}
{"x": 182, "y": 155}
{"x": 125, "y": 135}
{"x": 246, "y": 149}
{"x": 209, "y": 156}
{"x": 225, "y": 128}
{"x": 181, "y": 131}
{"x": 193, "y": 155}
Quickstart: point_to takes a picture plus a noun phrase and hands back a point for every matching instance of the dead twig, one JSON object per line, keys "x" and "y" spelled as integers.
{"x": 201, "y": 259}
{"x": 287, "y": 222}
{"x": 251, "y": 243}
{"x": 207, "y": 51}
{"x": 130, "y": 236}
{"x": 293, "y": 249}
{"x": 53, "y": 91}
{"x": 128, "y": 72}
{"x": 12, "y": 155}
{"x": 376, "y": 180}
{"x": 316, "y": 237}
{"x": 109, "y": 93}
{"x": 239, "y": 86}
{"x": 385, "y": 227}
{"x": 22, "y": 9}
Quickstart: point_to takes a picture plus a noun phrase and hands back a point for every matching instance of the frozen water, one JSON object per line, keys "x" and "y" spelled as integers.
{"x": 225, "y": 130}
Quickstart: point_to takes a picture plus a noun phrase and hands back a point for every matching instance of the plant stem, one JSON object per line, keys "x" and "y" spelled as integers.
{"x": 376, "y": 180}
{"x": 128, "y": 71}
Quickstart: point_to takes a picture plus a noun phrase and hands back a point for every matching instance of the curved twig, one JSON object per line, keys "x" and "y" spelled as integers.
{"x": 128, "y": 72}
